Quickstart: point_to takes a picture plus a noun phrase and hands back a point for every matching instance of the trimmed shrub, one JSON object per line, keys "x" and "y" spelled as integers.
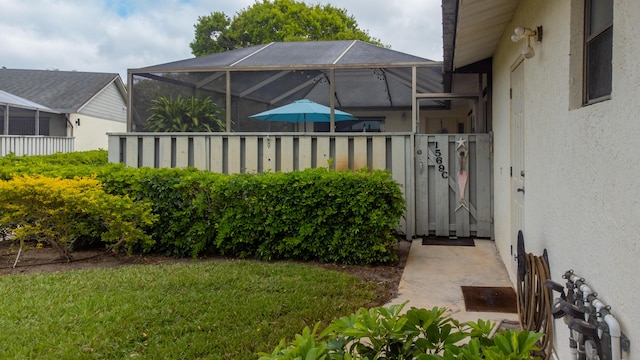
{"x": 315, "y": 214}
{"x": 63, "y": 211}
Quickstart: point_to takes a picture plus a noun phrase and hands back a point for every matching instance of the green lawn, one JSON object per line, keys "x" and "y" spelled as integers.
{"x": 207, "y": 310}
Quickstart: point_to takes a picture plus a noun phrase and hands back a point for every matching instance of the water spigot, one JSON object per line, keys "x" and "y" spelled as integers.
{"x": 556, "y": 287}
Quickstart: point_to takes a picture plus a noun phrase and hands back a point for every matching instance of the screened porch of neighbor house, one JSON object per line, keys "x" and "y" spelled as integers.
{"x": 374, "y": 84}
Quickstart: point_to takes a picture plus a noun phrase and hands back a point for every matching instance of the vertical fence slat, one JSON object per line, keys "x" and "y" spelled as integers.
{"x": 359, "y": 153}
{"x": 233, "y": 158}
{"x": 379, "y": 156}
{"x": 463, "y": 204}
{"x": 342, "y": 153}
{"x": 422, "y": 185}
{"x": 286, "y": 154}
{"x": 305, "y": 153}
{"x": 398, "y": 170}
{"x": 131, "y": 152}
{"x": 182, "y": 151}
{"x": 164, "y": 154}
{"x": 199, "y": 152}
{"x": 323, "y": 151}
{"x": 250, "y": 155}
{"x": 216, "y": 154}
{"x": 269, "y": 154}
{"x": 410, "y": 190}
{"x": 441, "y": 180}
{"x": 114, "y": 149}
{"x": 148, "y": 151}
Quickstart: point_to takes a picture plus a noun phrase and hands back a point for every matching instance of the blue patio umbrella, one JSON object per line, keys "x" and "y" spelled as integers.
{"x": 302, "y": 111}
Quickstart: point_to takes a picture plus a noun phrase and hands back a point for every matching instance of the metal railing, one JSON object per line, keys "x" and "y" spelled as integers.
{"x": 35, "y": 145}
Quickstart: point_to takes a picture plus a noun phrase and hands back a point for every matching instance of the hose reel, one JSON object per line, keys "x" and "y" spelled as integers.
{"x": 534, "y": 298}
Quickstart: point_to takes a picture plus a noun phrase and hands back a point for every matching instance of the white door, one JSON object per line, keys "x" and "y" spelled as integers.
{"x": 517, "y": 154}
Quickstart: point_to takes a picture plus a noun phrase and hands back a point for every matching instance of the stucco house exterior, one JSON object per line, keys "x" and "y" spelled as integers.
{"x": 564, "y": 81}
{"x": 63, "y": 104}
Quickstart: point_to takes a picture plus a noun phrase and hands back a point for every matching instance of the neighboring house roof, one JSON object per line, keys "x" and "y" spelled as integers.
{"x": 471, "y": 29}
{"x": 18, "y": 102}
{"x": 63, "y": 91}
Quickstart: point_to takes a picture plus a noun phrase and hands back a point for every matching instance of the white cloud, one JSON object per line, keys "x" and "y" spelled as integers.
{"x": 93, "y": 36}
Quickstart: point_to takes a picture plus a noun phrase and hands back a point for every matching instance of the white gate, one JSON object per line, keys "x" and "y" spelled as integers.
{"x": 453, "y": 185}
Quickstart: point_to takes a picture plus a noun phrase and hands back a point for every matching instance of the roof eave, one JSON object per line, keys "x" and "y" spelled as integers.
{"x": 468, "y": 32}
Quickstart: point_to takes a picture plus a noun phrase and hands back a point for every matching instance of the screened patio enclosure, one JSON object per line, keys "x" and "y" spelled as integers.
{"x": 407, "y": 123}
{"x": 375, "y": 84}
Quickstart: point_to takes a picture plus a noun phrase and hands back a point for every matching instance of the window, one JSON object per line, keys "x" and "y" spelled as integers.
{"x": 598, "y": 48}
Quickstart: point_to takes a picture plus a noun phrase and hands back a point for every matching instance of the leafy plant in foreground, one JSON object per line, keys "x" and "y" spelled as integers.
{"x": 421, "y": 334}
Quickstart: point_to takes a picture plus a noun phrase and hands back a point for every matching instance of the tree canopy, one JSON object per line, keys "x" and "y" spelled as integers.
{"x": 277, "y": 20}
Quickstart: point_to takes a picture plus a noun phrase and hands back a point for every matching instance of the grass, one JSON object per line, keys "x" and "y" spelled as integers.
{"x": 206, "y": 310}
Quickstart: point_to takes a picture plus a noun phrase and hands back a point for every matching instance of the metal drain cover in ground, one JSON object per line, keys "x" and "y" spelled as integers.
{"x": 490, "y": 299}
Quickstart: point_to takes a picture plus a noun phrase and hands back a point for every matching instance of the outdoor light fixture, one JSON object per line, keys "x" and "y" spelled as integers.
{"x": 525, "y": 33}
{"x": 78, "y": 122}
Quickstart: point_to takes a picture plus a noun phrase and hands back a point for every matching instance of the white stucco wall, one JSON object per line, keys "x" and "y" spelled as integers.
{"x": 582, "y": 199}
{"x": 91, "y": 134}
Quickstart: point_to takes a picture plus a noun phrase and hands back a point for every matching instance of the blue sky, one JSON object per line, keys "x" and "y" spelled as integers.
{"x": 116, "y": 35}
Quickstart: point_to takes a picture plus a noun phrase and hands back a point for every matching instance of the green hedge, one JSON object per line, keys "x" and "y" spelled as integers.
{"x": 330, "y": 216}
{"x": 314, "y": 214}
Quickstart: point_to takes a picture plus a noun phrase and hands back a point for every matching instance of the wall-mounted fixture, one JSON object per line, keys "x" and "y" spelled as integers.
{"x": 78, "y": 122}
{"x": 525, "y": 33}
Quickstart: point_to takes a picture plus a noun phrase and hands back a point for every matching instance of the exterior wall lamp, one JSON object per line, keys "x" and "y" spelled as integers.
{"x": 525, "y": 33}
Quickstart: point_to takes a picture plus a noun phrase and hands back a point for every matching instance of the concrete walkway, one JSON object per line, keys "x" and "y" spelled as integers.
{"x": 433, "y": 276}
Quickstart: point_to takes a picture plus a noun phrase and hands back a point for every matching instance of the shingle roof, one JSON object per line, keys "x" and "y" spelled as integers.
{"x": 63, "y": 91}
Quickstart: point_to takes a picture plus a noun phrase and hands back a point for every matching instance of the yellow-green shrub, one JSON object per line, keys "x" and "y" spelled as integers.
{"x": 61, "y": 211}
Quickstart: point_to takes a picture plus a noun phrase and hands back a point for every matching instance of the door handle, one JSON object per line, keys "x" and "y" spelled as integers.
{"x": 521, "y": 190}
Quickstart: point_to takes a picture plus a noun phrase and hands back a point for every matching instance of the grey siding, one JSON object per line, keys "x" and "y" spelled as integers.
{"x": 109, "y": 104}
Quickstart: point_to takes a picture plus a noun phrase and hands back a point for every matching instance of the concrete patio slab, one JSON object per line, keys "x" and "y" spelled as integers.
{"x": 433, "y": 276}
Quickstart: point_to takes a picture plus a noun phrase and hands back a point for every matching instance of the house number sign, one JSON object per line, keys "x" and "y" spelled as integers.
{"x": 441, "y": 168}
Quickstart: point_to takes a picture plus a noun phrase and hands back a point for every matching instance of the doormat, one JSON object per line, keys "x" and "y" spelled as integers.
{"x": 490, "y": 299}
{"x": 445, "y": 241}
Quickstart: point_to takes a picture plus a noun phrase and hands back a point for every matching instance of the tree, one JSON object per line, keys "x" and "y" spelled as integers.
{"x": 277, "y": 20}
{"x": 184, "y": 114}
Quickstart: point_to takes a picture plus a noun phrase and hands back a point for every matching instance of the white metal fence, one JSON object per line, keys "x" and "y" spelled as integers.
{"x": 432, "y": 197}
{"x": 35, "y": 145}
